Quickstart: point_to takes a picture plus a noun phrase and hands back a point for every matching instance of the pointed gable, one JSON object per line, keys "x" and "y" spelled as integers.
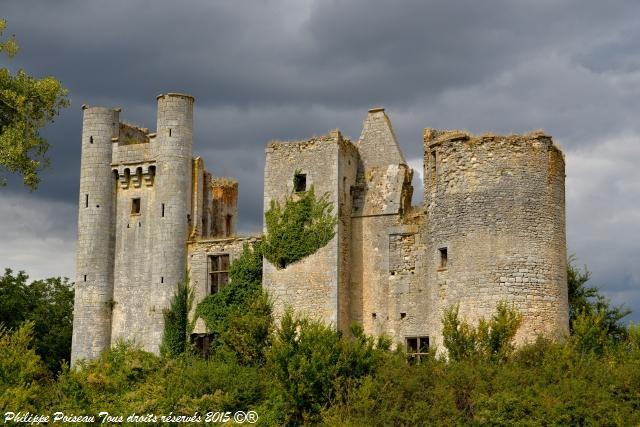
{"x": 378, "y": 145}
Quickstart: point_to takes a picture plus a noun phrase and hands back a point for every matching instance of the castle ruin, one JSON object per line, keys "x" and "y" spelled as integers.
{"x": 491, "y": 229}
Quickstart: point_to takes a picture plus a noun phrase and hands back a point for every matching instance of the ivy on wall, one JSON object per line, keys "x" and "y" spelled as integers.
{"x": 298, "y": 228}
{"x": 177, "y": 328}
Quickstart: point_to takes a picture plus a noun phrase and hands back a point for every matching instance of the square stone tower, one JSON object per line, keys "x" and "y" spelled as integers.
{"x": 319, "y": 284}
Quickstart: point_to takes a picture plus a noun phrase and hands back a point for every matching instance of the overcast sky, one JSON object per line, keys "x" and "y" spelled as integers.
{"x": 271, "y": 69}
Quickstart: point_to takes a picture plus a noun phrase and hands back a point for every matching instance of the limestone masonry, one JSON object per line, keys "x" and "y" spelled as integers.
{"x": 491, "y": 229}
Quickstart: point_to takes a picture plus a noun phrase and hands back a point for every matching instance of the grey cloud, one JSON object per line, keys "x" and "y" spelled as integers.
{"x": 289, "y": 69}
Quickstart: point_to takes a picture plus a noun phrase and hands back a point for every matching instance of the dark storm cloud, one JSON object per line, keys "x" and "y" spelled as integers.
{"x": 276, "y": 69}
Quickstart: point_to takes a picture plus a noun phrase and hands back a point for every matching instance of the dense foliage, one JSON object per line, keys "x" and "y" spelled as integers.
{"x": 177, "y": 327}
{"x": 589, "y": 309}
{"x": 490, "y": 340}
{"x": 26, "y": 105}
{"x": 48, "y": 304}
{"x": 239, "y": 315}
{"x": 299, "y": 228}
{"x": 314, "y": 375}
{"x": 303, "y": 372}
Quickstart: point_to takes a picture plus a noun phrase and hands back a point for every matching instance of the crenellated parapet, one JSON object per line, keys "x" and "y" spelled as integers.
{"x": 135, "y": 175}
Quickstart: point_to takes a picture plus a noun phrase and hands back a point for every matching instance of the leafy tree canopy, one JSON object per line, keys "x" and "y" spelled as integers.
{"x": 26, "y": 105}
{"x": 589, "y": 308}
{"x": 48, "y": 304}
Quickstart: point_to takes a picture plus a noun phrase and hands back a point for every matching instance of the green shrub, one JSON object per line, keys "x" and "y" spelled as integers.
{"x": 492, "y": 339}
{"x": 177, "y": 327}
{"x": 110, "y": 383}
{"x": 239, "y": 316}
{"x": 311, "y": 362}
{"x": 48, "y": 304}
{"x": 23, "y": 375}
{"x": 298, "y": 229}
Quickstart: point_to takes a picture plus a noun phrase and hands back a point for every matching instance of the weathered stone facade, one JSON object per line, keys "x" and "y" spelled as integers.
{"x": 143, "y": 201}
{"x": 492, "y": 228}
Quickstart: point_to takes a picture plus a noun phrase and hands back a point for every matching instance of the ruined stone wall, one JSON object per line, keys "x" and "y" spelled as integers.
{"x": 197, "y": 256}
{"x": 95, "y": 249}
{"x": 134, "y": 237}
{"x": 347, "y": 173}
{"x": 312, "y": 285}
{"x": 496, "y": 203}
{"x": 386, "y": 294}
{"x": 224, "y": 207}
{"x": 199, "y": 189}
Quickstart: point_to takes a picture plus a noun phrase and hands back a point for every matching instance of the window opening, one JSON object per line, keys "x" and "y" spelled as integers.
{"x": 433, "y": 165}
{"x": 202, "y": 343}
{"x": 218, "y": 272}
{"x": 85, "y": 277}
{"x": 443, "y": 257}
{"x": 300, "y": 182}
{"x": 163, "y": 210}
{"x": 228, "y": 224}
{"x": 169, "y": 131}
{"x": 91, "y": 140}
{"x": 135, "y": 206}
{"x": 417, "y": 347}
{"x": 86, "y": 200}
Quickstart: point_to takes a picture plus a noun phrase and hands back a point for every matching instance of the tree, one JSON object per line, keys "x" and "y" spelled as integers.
{"x": 22, "y": 373}
{"x": 26, "y": 105}
{"x": 48, "y": 304}
{"x": 588, "y": 304}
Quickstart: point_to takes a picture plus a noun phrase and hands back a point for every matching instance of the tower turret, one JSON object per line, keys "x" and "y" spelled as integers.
{"x": 173, "y": 195}
{"x": 95, "y": 250}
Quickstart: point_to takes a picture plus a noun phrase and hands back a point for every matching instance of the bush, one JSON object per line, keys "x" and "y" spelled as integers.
{"x": 23, "y": 375}
{"x": 311, "y": 362}
{"x": 491, "y": 340}
{"x": 239, "y": 316}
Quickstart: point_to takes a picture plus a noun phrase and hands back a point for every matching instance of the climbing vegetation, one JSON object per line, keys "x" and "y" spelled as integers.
{"x": 298, "y": 228}
{"x": 239, "y": 315}
{"x": 177, "y": 327}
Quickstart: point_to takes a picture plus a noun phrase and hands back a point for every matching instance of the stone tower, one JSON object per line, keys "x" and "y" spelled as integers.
{"x": 491, "y": 229}
{"x": 318, "y": 284}
{"x": 495, "y": 228}
{"x": 95, "y": 250}
{"x": 134, "y": 221}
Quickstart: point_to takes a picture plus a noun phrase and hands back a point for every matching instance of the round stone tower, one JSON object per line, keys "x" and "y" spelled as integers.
{"x": 496, "y": 229}
{"x": 95, "y": 251}
{"x": 173, "y": 195}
